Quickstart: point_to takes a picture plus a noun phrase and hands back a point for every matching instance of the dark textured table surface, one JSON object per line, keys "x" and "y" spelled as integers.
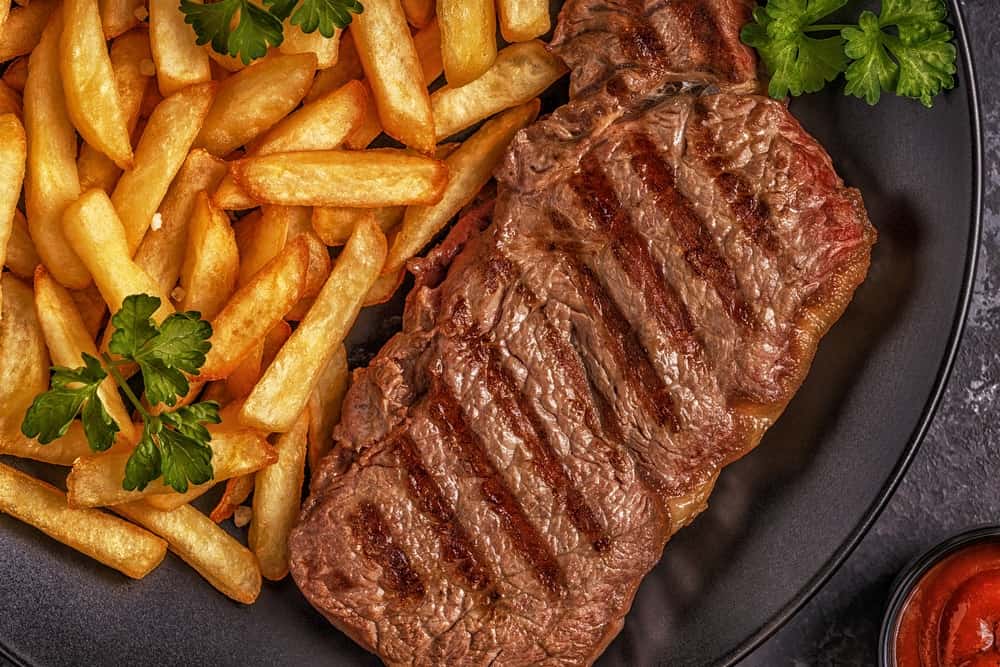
{"x": 953, "y": 482}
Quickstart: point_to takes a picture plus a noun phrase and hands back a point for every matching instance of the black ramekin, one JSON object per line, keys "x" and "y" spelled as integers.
{"x": 911, "y": 576}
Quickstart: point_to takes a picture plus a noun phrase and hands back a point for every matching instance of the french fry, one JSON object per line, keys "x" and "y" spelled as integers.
{"x": 161, "y": 253}
{"x": 62, "y": 451}
{"x": 326, "y": 49}
{"x": 13, "y": 154}
{"x": 16, "y": 74}
{"x": 212, "y": 552}
{"x": 24, "y": 359}
{"x": 96, "y": 480}
{"x": 4, "y": 11}
{"x": 385, "y": 287}
{"x": 255, "y": 309}
{"x": 468, "y": 38}
{"x": 107, "y": 539}
{"x": 68, "y": 339}
{"x": 238, "y": 489}
{"x": 319, "y": 263}
{"x": 51, "y": 176}
{"x": 334, "y": 224}
{"x": 369, "y": 128}
{"x": 319, "y": 125}
{"x": 22, "y": 258}
{"x": 212, "y": 263}
{"x": 259, "y": 238}
{"x": 89, "y": 82}
{"x": 120, "y": 16}
{"x": 253, "y": 100}
{"x": 244, "y": 377}
{"x": 521, "y": 20}
{"x": 418, "y": 12}
{"x": 347, "y": 68}
{"x": 22, "y": 30}
{"x": 390, "y": 63}
{"x": 222, "y": 62}
{"x": 521, "y": 72}
{"x": 324, "y": 406}
{"x": 91, "y": 307}
{"x": 10, "y": 100}
{"x": 471, "y": 167}
{"x": 276, "y": 499}
{"x": 179, "y": 61}
{"x": 96, "y": 234}
{"x": 284, "y": 389}
{"x": 382, "y": 177}
{"x": 127, "y": 54}
{"x": 162, "y": 149}
{"x": 150, "y": 101}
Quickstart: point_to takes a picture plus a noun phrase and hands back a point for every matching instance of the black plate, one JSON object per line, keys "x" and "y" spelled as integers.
{"x": 780, "y": 521}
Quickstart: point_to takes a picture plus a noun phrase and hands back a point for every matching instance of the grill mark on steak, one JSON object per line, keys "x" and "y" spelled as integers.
{"x": 370, "y": 530}
{"x": 446, "y": 413}
{"x": 750, "y": 211}
{"x": 599, "y": 199}
{"x": 456, "y": 548}
{"x": 693, "y": 236}
{"x": 630, "y": 354}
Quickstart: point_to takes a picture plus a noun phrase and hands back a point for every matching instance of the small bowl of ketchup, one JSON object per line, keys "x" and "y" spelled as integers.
{"x": 945, "y": 607}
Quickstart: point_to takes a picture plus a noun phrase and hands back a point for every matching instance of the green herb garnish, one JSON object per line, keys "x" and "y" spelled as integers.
{"x": 174, "y": 444}
{"x": 243, "y": 29}
{"x": 906, "y": 49}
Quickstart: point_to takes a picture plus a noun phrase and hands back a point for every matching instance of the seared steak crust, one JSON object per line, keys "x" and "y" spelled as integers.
{"x": 574, "y": 370}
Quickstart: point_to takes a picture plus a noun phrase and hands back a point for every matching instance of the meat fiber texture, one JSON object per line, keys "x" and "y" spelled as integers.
{"x": 578, "y": 364}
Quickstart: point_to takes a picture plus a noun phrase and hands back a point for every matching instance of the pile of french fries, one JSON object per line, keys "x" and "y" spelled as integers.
{"x": 148, "y": 164}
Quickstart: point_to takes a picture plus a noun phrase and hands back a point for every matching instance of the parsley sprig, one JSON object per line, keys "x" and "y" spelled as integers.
{"x": 175, "y": 444}
{"x": 906, "y": 49}
{"x": 243, "y": 29}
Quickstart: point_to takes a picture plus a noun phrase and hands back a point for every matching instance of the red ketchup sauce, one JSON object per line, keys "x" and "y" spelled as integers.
{"x": 952, "y": 617}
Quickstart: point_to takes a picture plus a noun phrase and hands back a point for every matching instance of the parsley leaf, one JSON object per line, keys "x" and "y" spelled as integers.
{"x": 872, "y": 70}
{"x": 143, "y": 466}
{"x": 325, "y": 15}
{"x": 73, "y": 390}
{"x": 176, "y": 446}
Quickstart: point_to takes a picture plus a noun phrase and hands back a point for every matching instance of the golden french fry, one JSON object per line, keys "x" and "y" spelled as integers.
{"x": 326, "y": 49}
{"x": 468, "y": 38}
{"x": 96, "y": 234}
{"x": 324, "y": 406}
{"x": 162, "y": 149}
{"x": 107, "y": 539}
{"x": 22, "y": 258}
{"x": 212, "y": 264}
{"x": 246, "y": 374}
{"x": 369, "y": 128}
{"x": 10, "y": 100}
{"x": 4, "y": 11}
{"x": 319, "y": 264}
{"x": 96, "y": 481}
{"x": 273, "y": 342}
{"x": 418, "y": 12}
{"x": 521, "y": 20}
{"x": 347, "y": 68}
{"x": 284, "y": 390}
{"x": 255, "y": 309}
{"x": 67, "y": 339}
{"x": 127, "y": 54}
{"x": 51, "y": 176}
{"x": 385, "y": 287}
{"x": 276, "y": 499}
{"x": 521, "y": 72}
{"x": 161, "y": 253}
{"x": 120, "y": 16}
{"x": 390, "y": 63}
{"x": 16, "y": 74}
{"x": 382, "y": 177}
{"x": 179, "y": 61}
{"x": 13, "y": 154}
{"x": 150, "y": 101}
{"x": 62, "y": 451}
{"x": 238, "y": 489}
{"x": 260, "y": 238}
{"x": 91, "y": 307}
{"x": 212, "y": 552}
{"x": 24, "y": 359}
{"x": 253, "y": 100}
{"x": 89, "y": 82}
{"x": 319, "y": 125}
{"x": 471, "y": 167}
{"x": 22, "y": 30}
{"x": 221, "y": 62}
{"x": 334, "y": 224}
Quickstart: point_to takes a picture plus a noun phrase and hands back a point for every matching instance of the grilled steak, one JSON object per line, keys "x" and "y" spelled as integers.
{"x": 575, "y": 369}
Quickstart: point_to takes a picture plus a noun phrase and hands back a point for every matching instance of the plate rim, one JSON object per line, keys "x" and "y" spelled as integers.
{"x": 823, "y": 575}
{"x": 843, "y": 552}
